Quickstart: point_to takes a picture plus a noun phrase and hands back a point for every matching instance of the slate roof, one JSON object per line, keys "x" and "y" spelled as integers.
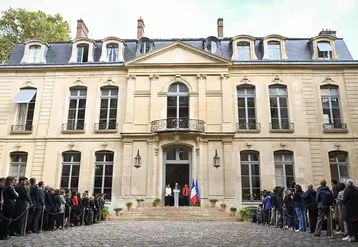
{"x": 59, "y": 53}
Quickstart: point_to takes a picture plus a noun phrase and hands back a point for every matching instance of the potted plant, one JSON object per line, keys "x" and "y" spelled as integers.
{"x": 213, "y": 202}
{"x": 105, "y": 214}
{"x": 244, "y": 213}
{"x": 139, "y": 201}
{"x": 233, "y": 211}
{"x": 129, "y": 205}
{"x": 222, "y": 207}
{"x": 157, "y": 202}
{"x": 118, "y": 211}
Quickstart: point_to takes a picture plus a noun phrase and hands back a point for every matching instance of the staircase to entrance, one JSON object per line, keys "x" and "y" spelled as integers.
{"x": 174, "y": 214}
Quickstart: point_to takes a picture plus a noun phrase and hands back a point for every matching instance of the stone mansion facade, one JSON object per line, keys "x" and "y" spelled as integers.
{"x": 124, "y": 117}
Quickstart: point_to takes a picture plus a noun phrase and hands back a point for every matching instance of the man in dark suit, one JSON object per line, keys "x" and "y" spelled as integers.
{"x": 22, "y": 201}
{"x": 35, "y": 211}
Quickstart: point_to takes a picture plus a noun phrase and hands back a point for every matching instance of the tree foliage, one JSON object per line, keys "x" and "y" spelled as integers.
{"x": 17, "y": 25}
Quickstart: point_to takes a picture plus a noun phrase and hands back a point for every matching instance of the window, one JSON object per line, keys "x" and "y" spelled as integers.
{"x": 108, "y": 111}
{"x": 26, "y": 106}
{"x": 144, "y": 47}
{"x": 279, "y": 107}
{"x": 77, "y": 109}
{"x": 211, "y": 46}
{"x": 112, "y": 53}
{"x": 284, "y": 169}
{"x": 243, "y": 51}
{"x": 338, "y": 161}
{"x": 250, "y": 175}
{"x": 274, "y": 50}
{"x": 246, "y": 107}
{"x": 324, "y": 50}
{"x": 35, "y": 54}
{"x": 331, "y": 109}
{"x": 70, "y": 170}
{"x": 18, "y": 164}
{"x": 178, "y": 106}
{"x": 103, "y": 174}
{"x": 82, "y": 53}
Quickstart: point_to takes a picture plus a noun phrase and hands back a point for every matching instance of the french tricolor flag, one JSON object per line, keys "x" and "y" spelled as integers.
{"x": 193, "y": 195}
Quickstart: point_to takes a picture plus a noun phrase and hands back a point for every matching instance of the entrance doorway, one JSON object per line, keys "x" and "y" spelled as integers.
{"x": 177, "y": 169}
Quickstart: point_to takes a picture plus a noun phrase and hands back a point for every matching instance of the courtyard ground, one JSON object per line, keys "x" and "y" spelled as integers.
{"x": 171, "y": 233}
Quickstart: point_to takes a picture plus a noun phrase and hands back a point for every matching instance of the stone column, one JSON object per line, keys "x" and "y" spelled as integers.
{"x": 128, "y": 122}
{"x": 229, "y": 168}
{"x": 228, "y": 104}
{"x": 128, "y": 160}
{"x": 202, "y": 99}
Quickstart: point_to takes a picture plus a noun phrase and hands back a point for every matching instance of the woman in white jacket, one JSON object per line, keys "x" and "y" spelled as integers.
{"x": 168, "y": 195}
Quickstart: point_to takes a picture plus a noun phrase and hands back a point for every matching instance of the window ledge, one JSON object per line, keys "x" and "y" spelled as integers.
{"x": 106, "y": 131}
{"x": 248, "y": 131}
{"x": 73, "y": 131}
{"x": 282, "y": 130}
{"x": 21, "y": 132}
{"x": 335, "y": 131}
{"x": 249, "y": 203}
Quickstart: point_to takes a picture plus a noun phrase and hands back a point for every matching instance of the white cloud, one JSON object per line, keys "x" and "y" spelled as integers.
{"x": 197, "y": 18}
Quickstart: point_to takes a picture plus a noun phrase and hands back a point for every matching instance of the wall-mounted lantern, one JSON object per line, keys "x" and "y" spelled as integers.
{"x": 216, "y": 159}
{"x": 137, "y": 160}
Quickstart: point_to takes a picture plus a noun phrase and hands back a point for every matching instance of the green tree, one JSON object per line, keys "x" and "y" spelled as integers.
{"x": 17, "y": 25}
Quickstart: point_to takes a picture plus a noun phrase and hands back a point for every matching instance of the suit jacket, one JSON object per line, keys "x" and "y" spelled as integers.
{"x": 23, "y": 197}
{"x": 350, "y": 203}
{"x": 35, "y": 194}
{"x": 48, "y": 200}
{"x": 41, "y": 197}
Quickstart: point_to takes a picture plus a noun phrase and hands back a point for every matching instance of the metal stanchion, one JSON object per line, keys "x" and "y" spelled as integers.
{"x": 69, "y": 216}
{"x": 25, "y": 225}
{"x": 83, "y": 216}
{"x": 42, "y": 219}
{"x": 63, "y": 219}
{"x": 330, "y": 222}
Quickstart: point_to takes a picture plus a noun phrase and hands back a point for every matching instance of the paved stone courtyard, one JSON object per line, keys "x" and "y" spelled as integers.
{"x": 173, "y": 234}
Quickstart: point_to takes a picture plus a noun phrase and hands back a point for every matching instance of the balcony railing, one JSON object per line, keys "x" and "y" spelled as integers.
{"x": 335, "y": 127}
{"x": 106, "y": 127}
{"x": 73, "y": 127}
{"x": 21, "y": 128}
{"x": 250, "y": 127}
{"x": 185, "y": 125}
{"x": 282, "y": 127}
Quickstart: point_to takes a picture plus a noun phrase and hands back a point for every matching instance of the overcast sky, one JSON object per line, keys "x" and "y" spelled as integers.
{"x": 197, "y": 18}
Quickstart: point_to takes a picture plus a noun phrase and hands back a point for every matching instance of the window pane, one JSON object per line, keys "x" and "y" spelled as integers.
{"x": 182, "y": 88}
{"x": 98, "y": 171}
{"x": 82, "y": 103}
{"x": 66, "y": 170}
{"x": 242, "y": 113}
{"x": 64, "y": 182}
{"x": 183, "y": 154}
{"x": 251, "y": 113}
{"x": 103, "y": 114}
{"x": 255, "y": 181}
{"x": 250, "y": 102}
{"x": 283, "y": 102}
{"x": 246, "y": 194}
{"x": 343, "y": 171}
{"x": 245, "y": 181}
{"x": 113, "y": 103}
{"x": 244, "y": 156}
{"x": 289, "y": 170}
{"x": 108, "y": 194}
{"x": 334, "y": 172}
{"x": 113, "y": 113}
{"x": 244, "y": 169}
{"x": 241, "y": 102}
{"x": 76, "y": 157}
{"x": 98, "y": 182}
{"x": 109, "y": 156}
{"x": 74, "y": 182}
{"x": 273, "y": 102}
{"x": 254, "y": 156}
{"x": 171, "y": 154}
{"x": 109, "y": 170}
{"x": 108, "y": 182}
{"x": 184, "y": 101}
{"x": 171, "y": 101}
{"x": 75, "y": 170}
{"x": 342, "y": 157}
{"x": 255, "y": 169}
{"x": 183, "y": 112}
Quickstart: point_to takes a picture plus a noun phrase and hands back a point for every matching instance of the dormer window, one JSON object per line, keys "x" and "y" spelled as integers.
{"x": 82, "y": 53}
{"x": 243, "y": 51}
{"x": 112, "y": 52}
{"x": 274, "y": 50}
{"x": 324, "y": 51}
{"x": 212, "y": 46}
{"x": 35, "y": 54}
{"x": 144, "y": 47}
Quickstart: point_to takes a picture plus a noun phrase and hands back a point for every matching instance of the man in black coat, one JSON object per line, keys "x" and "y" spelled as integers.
{"x": 311, "y": 205}
{"x": 22, "y": 201}
{"x": 350, "y": 210}
{"x": 35, "y": 211}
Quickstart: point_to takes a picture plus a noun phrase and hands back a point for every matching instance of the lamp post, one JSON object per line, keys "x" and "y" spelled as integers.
{"x": 137, "y": 160}
{"x": 216, "y": 159}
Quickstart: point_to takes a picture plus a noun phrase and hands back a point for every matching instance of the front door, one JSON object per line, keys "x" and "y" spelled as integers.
{"x": 177, "y": 169}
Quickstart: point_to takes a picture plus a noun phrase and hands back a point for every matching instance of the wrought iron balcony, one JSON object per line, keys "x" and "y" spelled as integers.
{"x": 73, "y": 127}
{"x": 282, "y": 127}
{"x": 335, "y": 127}
{"x": 27, "y": 128}
{"x": 248, "y": 127}
{"x": 105, "y": 127}
{"x": 181, "y": 124}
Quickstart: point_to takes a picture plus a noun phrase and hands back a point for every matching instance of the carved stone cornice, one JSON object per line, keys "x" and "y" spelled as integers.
{"x": 277, "y": 79}
{"x": 109, "y": 82}
{"x": 154, "y": 77}
{"x": 201, "y": 76}
{"x": 131, "y": 77}
{"x": 28, "y": 83}
{"x": 245, "y": 80}
{"x": 78, "y": 82}
{"x": 224, "y": 76}
{"x": 327, "y": 80}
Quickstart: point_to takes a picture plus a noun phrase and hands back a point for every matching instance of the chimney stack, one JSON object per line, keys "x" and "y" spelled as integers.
{"x": 140, "y": 28}
{"x": 220, "y": 24}
{"x": 328, "y": 32}
{"x": 82, "y": 30}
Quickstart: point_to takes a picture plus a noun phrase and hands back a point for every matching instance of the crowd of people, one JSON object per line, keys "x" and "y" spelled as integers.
{"x": 28, "y": 207}
{"x": 313, "y": 210}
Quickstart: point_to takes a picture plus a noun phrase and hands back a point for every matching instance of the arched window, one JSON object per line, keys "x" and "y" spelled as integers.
{"x": 108, "y": 111}
{"x": 274, "y": 50}
{"x": 35, "y": 54}
{"x": 250, "y": 175}
{"x": 246, "y": 107}
{"x": 243, "y": 51}
{"x": 70, "y": 174}
{"x": 211, "y": 46}
{"x": 178, "y": 107}
{"x": 279, "y": 107}
{"x": 284, "y": 168}
{"x": 338, "y": 161}
{"x": 82, "y": 53}
{"x": 331, "y": 108}
{"x": 324, "y": 50}
{"x": 103, "y": 174}
{"x": 112, "y": 52}
{"x": 18, "y": 164}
